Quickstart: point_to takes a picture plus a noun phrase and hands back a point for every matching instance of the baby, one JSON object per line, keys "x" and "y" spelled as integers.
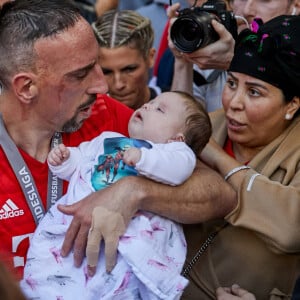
{"x": 165, "y": 134}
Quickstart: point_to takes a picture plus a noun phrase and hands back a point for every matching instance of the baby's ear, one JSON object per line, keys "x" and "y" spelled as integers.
{"x": 179, "y": 137}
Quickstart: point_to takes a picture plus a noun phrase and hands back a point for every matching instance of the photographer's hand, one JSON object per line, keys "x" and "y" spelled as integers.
{"x": 217, "y": 55}
{"x": 172, "y": 11}
{"x": 183, "y": 68}
{"x": 172, "y": 15}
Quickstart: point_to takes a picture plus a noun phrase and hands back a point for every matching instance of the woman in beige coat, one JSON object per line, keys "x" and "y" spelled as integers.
{"x": 256, "y": 147}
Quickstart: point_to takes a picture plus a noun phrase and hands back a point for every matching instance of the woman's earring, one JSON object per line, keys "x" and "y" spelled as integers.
{"x": 294, "y": 11}
{"x": 288, "y": 116}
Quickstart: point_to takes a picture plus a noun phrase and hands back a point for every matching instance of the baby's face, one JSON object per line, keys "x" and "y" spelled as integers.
{"x": 159, "y": 120}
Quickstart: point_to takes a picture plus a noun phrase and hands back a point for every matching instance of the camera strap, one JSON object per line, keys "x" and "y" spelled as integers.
{"x": 200, "y": 80}
{"x": 25, "y": 177}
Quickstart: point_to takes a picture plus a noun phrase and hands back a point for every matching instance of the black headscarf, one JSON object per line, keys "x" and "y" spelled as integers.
{"x": 271, "y": 52}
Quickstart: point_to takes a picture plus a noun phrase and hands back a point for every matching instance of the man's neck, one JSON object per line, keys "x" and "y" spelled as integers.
{"x": 31, "y": 140}
{"x": 26, "y": 129}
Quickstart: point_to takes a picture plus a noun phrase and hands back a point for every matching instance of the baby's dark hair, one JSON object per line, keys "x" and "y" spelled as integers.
{"x": 198, "y": 129}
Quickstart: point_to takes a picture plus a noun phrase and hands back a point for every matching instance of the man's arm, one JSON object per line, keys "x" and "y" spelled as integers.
{"x": 204, "y": 196}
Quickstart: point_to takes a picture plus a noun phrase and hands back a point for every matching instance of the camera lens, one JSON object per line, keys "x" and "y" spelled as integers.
{"x": 186, "y": 34}
{"x": 191, "y": 32}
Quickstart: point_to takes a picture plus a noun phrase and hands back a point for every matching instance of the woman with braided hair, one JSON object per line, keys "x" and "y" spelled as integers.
{"x": 126, "y": 55}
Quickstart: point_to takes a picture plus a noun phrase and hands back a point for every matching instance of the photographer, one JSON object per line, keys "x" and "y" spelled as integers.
{"x": 210, "y": 62}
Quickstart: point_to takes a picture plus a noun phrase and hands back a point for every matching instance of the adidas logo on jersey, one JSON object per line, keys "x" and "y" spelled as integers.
{"x": 10, "y": 210}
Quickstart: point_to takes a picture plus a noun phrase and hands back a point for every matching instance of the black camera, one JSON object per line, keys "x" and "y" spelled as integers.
{"x": 193, "y": 30}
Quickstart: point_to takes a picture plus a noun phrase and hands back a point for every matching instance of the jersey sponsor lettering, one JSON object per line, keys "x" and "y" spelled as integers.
{"x": 54, "y": 189}
{"x": 10, "y": 210}
{"x": 31, "y": 193}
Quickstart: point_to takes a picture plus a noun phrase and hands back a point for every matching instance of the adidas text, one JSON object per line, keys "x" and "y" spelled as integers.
{"x": 12, "y": 214}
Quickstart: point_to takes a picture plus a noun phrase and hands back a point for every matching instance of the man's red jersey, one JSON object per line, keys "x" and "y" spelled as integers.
{"x": 16, "y": 221}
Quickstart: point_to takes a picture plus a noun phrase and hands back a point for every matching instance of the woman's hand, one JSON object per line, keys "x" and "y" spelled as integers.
{"x": 233, "y": 293}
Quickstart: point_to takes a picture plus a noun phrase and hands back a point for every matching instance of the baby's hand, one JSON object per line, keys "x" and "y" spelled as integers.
{"x": 58, "y": 155}
{"x": 132, "y": 156}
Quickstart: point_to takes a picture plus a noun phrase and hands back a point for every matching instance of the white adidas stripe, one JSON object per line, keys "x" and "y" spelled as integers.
{"x": 9, "y": 206}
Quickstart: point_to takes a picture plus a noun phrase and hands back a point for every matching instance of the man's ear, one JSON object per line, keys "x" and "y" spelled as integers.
{"x": 24, "y": 87}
